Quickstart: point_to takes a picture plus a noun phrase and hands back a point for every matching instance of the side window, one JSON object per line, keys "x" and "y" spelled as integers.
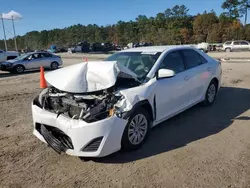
{"x": 236, "y": 43}
{"x": 33, "y": 56}
{"x": 173, "y": 61}
{"x": 38, "y": 56}
{"x": 46, "y": 55}
{"x": 243, "y": 43}
{"x": 30, "y": 57}
{"x": 203, "y": 60}
{"x": 228, "y": 43}
{"x": 192, "y": 58}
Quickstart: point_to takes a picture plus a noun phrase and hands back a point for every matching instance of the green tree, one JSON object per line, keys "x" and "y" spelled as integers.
{"x": 203, "y": 24}
{"x": 244, "y": 7}
{"x": 232, "y": 7}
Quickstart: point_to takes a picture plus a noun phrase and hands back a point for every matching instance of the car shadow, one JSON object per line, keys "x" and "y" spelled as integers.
{"x": 192, "y": 125}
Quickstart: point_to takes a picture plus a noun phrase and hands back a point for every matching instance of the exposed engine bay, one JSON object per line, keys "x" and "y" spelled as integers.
{"x": 89, "y": 92}
{"x": 88, "y": 107}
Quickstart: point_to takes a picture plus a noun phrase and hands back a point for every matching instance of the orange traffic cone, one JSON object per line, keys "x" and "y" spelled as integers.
{"x": 86, "y": 59}
{"x": 43, "y": 83}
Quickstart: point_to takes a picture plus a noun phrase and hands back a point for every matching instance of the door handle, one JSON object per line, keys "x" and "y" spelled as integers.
{"x": 209, "y": 69}
{"x": 187, "y": 78}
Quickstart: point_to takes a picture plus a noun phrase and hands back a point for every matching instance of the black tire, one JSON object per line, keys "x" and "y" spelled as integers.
{"x": 213, "y": 85}
{"x": 54, "y": 65}
{"x": 126, "y": 144}
{"x": 19, "y": 69}
{"x": 228, "y": 50}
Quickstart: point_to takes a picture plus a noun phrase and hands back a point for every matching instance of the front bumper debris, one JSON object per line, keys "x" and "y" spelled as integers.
{"x": 76, "y": 137}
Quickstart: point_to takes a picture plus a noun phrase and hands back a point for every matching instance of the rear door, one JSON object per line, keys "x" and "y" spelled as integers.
{"x": 199, "y": 72}
{"x": 46, "y": 60}
{"x": 236, "y": 46}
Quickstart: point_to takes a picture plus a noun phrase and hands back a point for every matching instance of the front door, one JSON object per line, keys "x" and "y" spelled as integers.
{"x": 172, "y": 94}
{"x": 33, "y": 61}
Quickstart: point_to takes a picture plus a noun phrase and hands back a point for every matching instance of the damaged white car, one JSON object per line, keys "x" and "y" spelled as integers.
{"x": 93, "y": 109}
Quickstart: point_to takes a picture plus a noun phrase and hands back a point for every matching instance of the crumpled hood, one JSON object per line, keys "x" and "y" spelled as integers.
{"x": 88, "y": 76}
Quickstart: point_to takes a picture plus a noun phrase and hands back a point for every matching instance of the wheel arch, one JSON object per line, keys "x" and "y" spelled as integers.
{"x": 142, "y": 104}
{"x": 54, "y": 62}
{"x": 19, "y": 65}
{"x": 216, "y": 81}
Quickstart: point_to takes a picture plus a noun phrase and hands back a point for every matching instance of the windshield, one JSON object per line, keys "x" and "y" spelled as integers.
{"x": 23, "y": 56}
{"x": 138, "y": 62}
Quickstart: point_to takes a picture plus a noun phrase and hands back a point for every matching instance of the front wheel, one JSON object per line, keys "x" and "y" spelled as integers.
{"x": 54, "y": 66}
{"x": 136, "y": 131}
{"x": 211, "y": 93}
{"x": 19, "y": 69}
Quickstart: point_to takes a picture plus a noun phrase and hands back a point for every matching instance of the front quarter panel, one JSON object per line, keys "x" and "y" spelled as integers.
{"x": 134, "y": 95}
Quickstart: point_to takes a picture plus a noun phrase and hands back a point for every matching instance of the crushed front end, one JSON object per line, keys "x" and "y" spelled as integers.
{"x": 79, "y": 124}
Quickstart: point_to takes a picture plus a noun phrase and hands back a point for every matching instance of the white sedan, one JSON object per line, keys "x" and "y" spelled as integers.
{"x": 93, "y": 109}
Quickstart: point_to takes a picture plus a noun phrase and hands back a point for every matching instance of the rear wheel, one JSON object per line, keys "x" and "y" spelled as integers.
{"x": 136, "y": 131}
{"x": 211, "y": 93}
{"x": 19, "y": 69}
{"x": 54, "y": 65}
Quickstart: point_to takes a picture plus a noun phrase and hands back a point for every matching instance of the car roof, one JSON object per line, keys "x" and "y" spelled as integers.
{"x": 158, "y": 48}
{"x": 38, "y": 52}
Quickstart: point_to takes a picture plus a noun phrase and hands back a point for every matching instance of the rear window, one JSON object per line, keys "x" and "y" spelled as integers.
{"x": 244, "y": 43}
{"x": 46, "y": 55}
{"x": 192, "y": 58}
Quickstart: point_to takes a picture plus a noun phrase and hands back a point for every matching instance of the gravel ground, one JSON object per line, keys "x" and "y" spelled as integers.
{"x": 202, "y": 147}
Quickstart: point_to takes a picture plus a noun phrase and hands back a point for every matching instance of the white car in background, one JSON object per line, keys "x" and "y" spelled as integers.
{"x": 4, "y": 56}
{"x": 93, "y": 109}
{"x": 237, "y": 45}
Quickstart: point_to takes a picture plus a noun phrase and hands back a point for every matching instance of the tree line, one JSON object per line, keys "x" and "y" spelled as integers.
{"x": 174, "y": 26}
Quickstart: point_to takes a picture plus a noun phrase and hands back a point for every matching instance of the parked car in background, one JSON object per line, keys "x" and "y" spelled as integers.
{"x": 237, "y": 45}
{"x": 83, "y": 46}
{"x": 61, "y": 49}
{"x": 203, "y": 47}
{"x": 101, "y": 47}
{"x": 4, "y": 56}
{"x": 101, "y": 107}
{"x": 32, "y": 61}
{"x": 142, "y": 44}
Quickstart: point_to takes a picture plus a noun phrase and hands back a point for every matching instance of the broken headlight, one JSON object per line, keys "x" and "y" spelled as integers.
{"x": 75, "y": 112}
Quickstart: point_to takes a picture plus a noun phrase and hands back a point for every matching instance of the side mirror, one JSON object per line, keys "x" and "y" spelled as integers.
{"x": 164, "y": 73}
